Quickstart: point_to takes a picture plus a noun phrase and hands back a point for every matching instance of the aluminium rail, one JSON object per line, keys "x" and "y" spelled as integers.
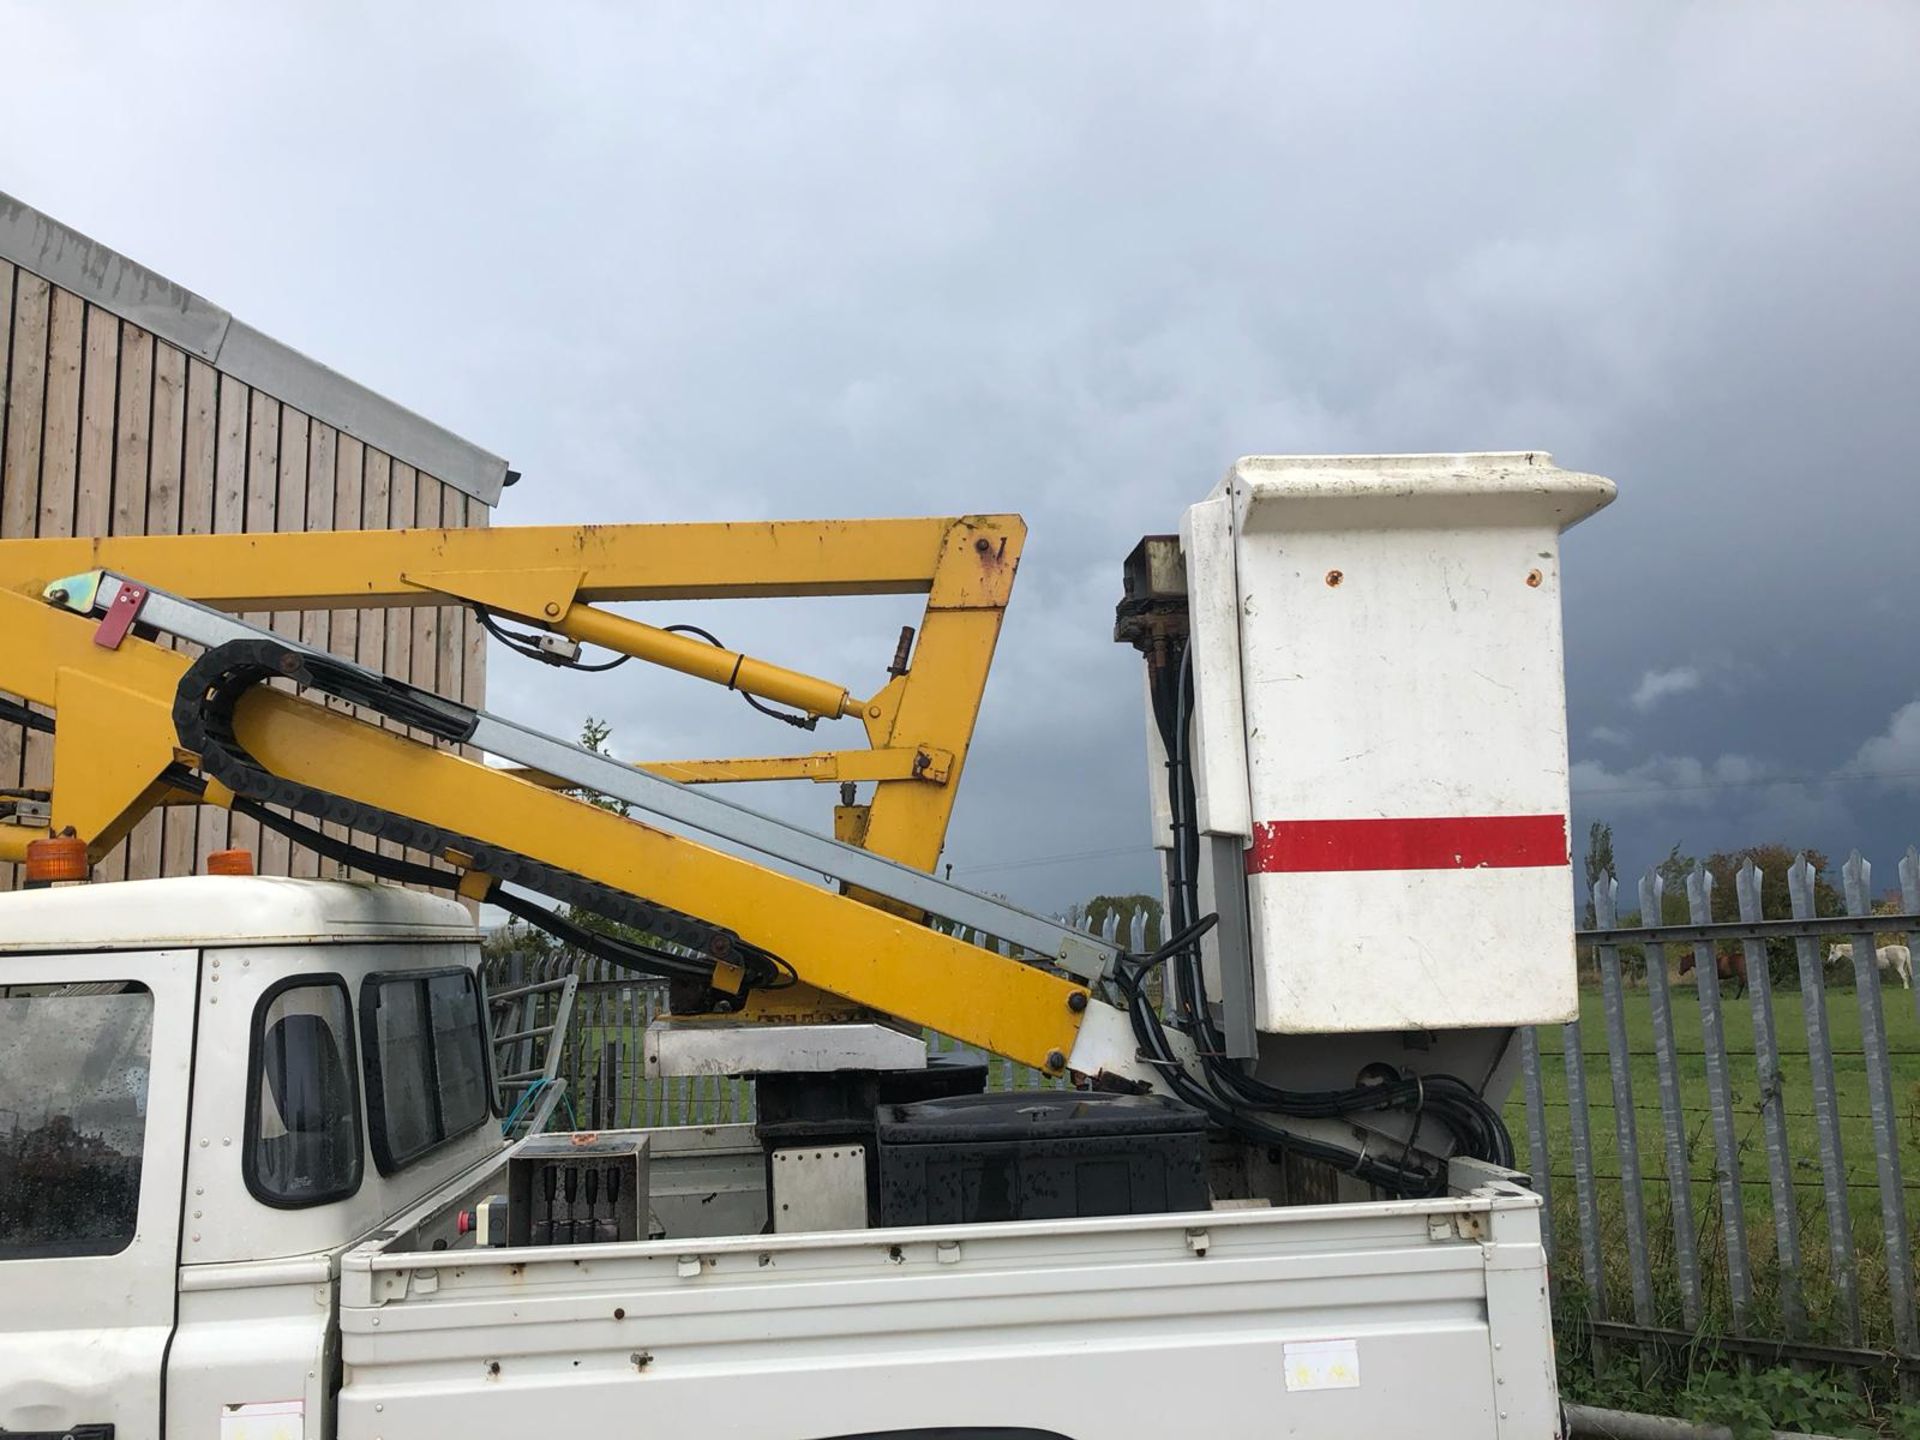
{"x": 683, "y": 808}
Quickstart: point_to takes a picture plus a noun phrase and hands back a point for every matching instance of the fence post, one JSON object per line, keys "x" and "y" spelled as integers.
{"x": 1858, "y": 877}
{"x": 1910, "y": 900}
{"x": 1537, "y": 1131}
{"x": 1673, "y": 1120}
{"x": 1726, "y": 1140}
{"x": 1826, "y": 1102}
{"x": 1773, "y": 1101}
{"x": 1586, "y": 1192}
{"x": 1606, "y": 912}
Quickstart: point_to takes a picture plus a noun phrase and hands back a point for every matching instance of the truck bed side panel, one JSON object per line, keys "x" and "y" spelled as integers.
{"x": 1329, "y": 1321}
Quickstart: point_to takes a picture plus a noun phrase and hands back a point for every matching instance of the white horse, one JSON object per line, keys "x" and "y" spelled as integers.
{"x": 1897, "y": 958}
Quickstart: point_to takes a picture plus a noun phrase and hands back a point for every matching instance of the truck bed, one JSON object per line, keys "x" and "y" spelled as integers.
{"x": 1327, "y": 1320}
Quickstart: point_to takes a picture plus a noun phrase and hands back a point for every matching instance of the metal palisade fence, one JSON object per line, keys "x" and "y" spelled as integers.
{"x": 1745, "y": 1174}
{"x": 603, "y": 1056}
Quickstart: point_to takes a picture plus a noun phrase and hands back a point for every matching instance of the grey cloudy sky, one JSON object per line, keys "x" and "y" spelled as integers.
{"x": 719, "y": 261}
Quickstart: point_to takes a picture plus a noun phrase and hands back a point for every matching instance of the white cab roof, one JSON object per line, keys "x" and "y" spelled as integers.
{"x": 223, "y": 910}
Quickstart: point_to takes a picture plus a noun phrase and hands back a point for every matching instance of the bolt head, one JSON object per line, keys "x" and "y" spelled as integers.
{"x": 552, "y": 608}
{"x": 1077, "y": 1001}
{"x": 1056, "y": 1060}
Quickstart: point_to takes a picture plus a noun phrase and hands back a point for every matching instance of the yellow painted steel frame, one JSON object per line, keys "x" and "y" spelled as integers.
{"x": 115, "y": 736}
{"x": 918, "y": 725}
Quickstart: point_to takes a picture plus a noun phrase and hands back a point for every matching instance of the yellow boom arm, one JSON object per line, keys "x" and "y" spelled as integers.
{"x": 917, "y": 724}
{"x": 115, "y": 743}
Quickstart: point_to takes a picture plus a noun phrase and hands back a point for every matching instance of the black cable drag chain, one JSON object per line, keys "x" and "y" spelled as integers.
{"x": 203, "y": 715}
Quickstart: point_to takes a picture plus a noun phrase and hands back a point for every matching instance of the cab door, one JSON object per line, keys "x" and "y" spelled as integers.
{"x": 95, "y": 1063}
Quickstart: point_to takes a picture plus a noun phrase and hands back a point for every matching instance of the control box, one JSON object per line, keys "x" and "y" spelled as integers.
{"x": 577, "y": 1189}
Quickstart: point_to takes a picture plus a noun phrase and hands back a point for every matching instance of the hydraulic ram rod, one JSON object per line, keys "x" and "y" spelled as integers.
{"x": 682, "y": 807}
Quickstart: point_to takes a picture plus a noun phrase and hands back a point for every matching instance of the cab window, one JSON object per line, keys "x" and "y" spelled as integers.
{"x": 73, "y": 1116}
{"x": 428, "y": 1077}
{"x": 303, "y": 1143}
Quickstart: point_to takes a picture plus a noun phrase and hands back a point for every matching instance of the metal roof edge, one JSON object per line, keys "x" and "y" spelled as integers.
{"x": 104, "y": 277}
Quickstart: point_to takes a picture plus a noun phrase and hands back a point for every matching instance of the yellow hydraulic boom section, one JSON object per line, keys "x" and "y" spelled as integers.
{"x": 918, "y": 723}
{"x": 115, "y": 738}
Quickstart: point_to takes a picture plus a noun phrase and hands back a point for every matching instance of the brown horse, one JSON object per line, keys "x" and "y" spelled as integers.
{"x": 1727, "y": 965}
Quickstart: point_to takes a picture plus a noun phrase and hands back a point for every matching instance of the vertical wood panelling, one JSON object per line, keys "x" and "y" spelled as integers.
{"x": 398, "y": 623}
{"x": 426, "y": 515}
{"x": 93, "y": 485}
{"x": 315, "y": 625}
{"x": 290, "y": 513}
{"x": 107, "y": 429}
{"x": 6, "y": 354}
{"x": 113, "y": 421}
{"x": 9, "y": 734}
{"x": 473, "y": 666}
{"x": 99, "y": 379}
{"x": 146, "y": 480}
{"x": 426, "y": 621}
{"x": 343, "y": 626}
{"x": 232, "y": 404}
{"x": 26, "y": 401}
{"x": 376, "y": 485}
{"x": 199, "y": 408}
{"x": 60, "y": 425}
{"x": 59, "y": 468}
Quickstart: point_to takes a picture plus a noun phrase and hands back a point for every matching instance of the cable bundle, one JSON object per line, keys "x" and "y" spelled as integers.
{"x": 1233, "y": 1098}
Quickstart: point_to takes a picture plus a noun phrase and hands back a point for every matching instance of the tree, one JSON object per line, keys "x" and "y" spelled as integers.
{"x": 1773, "y": 861}
{"x": 594, "y": 735}
{"x": 1673, "y": 872}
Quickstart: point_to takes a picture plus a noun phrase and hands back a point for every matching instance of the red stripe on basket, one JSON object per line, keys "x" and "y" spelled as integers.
{"x": 1438, "y": 842}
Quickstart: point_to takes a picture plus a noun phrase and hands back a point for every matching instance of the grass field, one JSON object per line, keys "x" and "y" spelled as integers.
{"x": 1903, "y": 1039}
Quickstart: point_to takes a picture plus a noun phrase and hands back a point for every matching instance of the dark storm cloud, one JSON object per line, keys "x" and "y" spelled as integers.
{"x": 721, "y": 262}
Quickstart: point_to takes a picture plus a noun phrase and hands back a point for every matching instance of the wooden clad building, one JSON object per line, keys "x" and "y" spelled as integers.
{"x": 131, "y": 406}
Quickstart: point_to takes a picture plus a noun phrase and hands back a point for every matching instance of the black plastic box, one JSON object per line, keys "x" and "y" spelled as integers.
{"x": 841, "y": 1107}
{"x": 1039, "y": 1155}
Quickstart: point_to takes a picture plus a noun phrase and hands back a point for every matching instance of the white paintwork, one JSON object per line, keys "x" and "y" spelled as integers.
{"x": 710, "y": 1047}
{"x": 197, "y": 910}
{"x": 232, "y": 1226}
{"x": 1120, "y": 1329}
{"x": 1427, "y": 682}
{"x": 1213, "y": 621}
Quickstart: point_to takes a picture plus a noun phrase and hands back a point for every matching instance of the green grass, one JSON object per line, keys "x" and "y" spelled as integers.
{"x": 1826, "y": 1321}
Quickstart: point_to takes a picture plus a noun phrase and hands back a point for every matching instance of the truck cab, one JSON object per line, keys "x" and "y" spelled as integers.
{"x": 211, "y": 1087}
